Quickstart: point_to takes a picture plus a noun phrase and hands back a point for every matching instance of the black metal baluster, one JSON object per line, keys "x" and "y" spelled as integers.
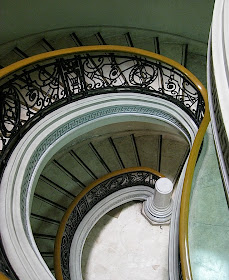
{"x": 100, "y": 38}
{"x": 156, "y": 45}
{"x": 64, "y": 79}
{"x": 160, "y": 70}
{"x": 76, "y": 39}
{"x": 82, "y": 76}
{"x": 177, "y": 176}
{"x": 184, "y": 55}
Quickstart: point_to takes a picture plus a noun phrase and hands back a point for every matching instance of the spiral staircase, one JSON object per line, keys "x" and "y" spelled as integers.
{"x": 111, "y": 147}
{"x": 73, "y": 169}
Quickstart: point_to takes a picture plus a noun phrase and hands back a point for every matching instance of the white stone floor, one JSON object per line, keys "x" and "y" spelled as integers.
{"x": 123, "y": 245}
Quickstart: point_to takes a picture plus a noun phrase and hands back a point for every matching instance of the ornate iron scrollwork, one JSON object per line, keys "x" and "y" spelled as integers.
{"x": 42, "y": 88}
{"x": 91, "y": 198}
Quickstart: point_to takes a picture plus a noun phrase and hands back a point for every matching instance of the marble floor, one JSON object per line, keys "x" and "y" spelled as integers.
{"x": 124, "y": 245}
{"x": 208, "y": 218}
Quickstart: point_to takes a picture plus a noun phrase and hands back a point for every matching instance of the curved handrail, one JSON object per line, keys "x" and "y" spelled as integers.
{"x": 58, "y": 241}
{"x": 3, "y": 276}
{"x": 39, "y": 89}
{"x": 101, "y": 48}
{"x": 194, "y": 152}
{"x": 184, "y": 210}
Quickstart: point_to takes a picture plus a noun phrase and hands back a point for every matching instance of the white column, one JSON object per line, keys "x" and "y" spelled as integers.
{"x": 158, "y": 208}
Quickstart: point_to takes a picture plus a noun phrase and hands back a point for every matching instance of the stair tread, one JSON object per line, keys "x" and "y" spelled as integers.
{"x": 173, "y": 51}
{"x": 197, "y": 65}
{"x": 105, "y": 150}
{"x": 89, "y": 158}
{"x": 149, "y": 157}
{"x": 126, "y": 151}
{"x": 172, "y": 156}
{"x": 60, "y": 178}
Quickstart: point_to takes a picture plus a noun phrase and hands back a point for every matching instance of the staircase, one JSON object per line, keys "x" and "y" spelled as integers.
{"x": 81, "y": 163}
{"x": 103, "y": 150}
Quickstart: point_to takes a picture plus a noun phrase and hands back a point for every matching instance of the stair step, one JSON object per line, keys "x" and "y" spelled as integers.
{"x": 45, "y": 190}
{"x": 197, "y": 65}
{"x": 171, "y": 50}
{"x": 43, "y": 209}
{"x": 107, "y": 153}
{"x": 91, "y": 161}
{"x": 76, "y": 169}
{"x": 44, "y": 228}
{"x": 93, "y": 158}
{"x": 116, "y": 39}
{"x": 10, "y": 58}
{"x": 126, "y": 151}
{"x": 56, "y": 175}
{"x": 45, "y": 245}
{"x": 36, "y": 49}
{"x": 148, "y": 150}
{"x": 63, "y": 42}
{"x": 172, "y": 155}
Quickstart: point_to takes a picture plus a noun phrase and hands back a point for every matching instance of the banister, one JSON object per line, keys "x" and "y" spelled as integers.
{"x": 36, "y": 91}
{"x": 184, "y": 210}
{"x": 101, "y": 48}
{"x": 61, "y": 229}
{"x": 3, "y": 276}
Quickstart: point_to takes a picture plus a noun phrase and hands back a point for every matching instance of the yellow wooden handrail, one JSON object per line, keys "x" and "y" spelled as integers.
{"x": 3, "y": 276}
{"x": 57, "y": 250}
{"x": 104, "y": 48}
{"x": 184, "y": 211}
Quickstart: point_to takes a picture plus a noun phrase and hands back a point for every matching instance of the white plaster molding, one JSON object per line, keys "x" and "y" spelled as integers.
{"x": 110, "y": 202}
{"x": 174, "y": 229}
{"x": 218, "y": 84}
{"x": 220, "y": 56}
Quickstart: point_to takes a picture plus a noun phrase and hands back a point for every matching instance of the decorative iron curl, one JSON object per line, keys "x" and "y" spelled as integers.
{"x": 91, "y": 198}
{"x": 39, "y": 89}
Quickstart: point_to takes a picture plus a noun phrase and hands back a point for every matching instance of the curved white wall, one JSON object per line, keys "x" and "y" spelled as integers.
{"x": 218, "y": 85}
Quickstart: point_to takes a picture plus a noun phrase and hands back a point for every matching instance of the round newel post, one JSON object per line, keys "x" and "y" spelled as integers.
{"x": 158, "y": 208}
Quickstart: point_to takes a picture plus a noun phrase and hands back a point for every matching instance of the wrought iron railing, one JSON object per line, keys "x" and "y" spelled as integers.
{"x": 34, "y": 91}
{"x": 85, "y": 201}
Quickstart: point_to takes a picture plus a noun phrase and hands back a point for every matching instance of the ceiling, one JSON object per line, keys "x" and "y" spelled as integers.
{"x": 180, "y": 17}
